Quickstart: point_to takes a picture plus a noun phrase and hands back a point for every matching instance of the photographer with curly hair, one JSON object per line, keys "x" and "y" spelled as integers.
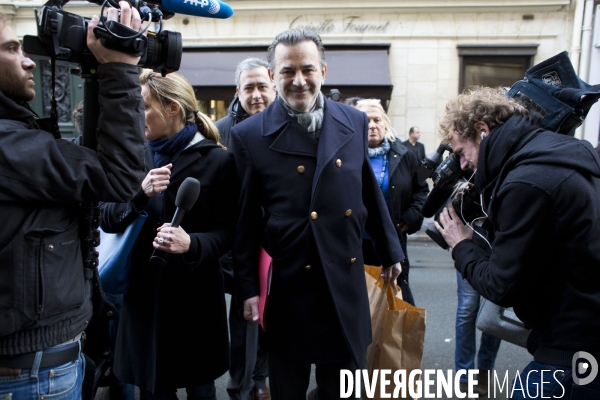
{"x": 540, "y": 194}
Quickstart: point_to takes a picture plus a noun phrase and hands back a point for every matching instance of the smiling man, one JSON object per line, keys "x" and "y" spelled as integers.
{"x": 254, "y": 91}
{"x": 307, "y": 191}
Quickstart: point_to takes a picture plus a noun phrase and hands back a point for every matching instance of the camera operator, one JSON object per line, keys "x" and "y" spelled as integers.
{"x": 45, "y": 289}
{"x": 540, "y": 195}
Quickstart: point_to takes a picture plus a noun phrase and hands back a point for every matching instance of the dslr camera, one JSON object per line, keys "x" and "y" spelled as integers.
{"x": 62, "y": 36}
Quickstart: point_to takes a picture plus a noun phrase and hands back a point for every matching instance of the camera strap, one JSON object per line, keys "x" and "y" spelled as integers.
{"x": 50, "y": 124}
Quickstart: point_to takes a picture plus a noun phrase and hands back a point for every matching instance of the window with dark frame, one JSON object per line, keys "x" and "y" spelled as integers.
{"x": 494, "y": 65}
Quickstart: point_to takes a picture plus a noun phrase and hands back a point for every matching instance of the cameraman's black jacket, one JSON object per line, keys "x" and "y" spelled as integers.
{"x": 542, "y": 191}
{"x": 44, "y": 293}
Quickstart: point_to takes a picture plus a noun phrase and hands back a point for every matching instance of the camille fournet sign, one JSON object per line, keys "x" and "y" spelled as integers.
{"x": 350, "y": 24}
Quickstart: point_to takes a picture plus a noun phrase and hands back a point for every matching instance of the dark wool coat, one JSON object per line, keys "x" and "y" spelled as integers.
{"x": 317, "y": 197}
{"x": 173, "y": 326}
{"x": 545, "y": 258}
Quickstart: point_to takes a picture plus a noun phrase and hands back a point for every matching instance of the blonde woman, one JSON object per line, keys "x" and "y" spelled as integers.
{"x": 173, "y": 328}
{"x": 393, "y": 164}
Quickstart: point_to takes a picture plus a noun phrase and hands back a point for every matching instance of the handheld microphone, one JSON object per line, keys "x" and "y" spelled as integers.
{"x": 187, "y": 194}
{"x": 197, "y": 8}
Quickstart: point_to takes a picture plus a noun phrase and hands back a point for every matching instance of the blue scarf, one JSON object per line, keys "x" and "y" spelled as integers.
{"x": 168, "y": 150}
{"x": 380, "y": 151}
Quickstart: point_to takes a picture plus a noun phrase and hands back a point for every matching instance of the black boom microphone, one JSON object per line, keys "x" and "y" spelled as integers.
{"x": 186, "y": 198}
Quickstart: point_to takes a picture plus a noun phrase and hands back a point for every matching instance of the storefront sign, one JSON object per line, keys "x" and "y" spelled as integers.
{"x": 349, "y": 25}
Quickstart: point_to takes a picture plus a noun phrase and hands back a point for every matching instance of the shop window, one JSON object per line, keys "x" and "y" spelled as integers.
{"x": 215, "y": 109}
{"x": 493, "y": 65}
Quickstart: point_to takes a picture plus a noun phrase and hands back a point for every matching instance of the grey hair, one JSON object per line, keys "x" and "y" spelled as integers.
{"x": 247, "y": 64}
{"x": 291, "y": 37}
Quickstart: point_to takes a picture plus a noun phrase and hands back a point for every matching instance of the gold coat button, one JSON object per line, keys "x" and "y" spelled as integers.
{"x": 307, "y": 267}
{"x": 301, "y": 169}
{"x": 348, "y": 213}
{"x": 338, "y": 163}
{"x": 314, "y": 215}
{"x": 353, "y": 259}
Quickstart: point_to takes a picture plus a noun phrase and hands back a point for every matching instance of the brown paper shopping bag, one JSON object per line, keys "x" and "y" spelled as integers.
{"x": 398, "y": 330}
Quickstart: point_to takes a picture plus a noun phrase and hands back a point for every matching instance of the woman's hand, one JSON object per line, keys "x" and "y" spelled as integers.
{"x": 453, "y": 230}
{"x": 172, "y": 240}
{"x": 157, "y": 180}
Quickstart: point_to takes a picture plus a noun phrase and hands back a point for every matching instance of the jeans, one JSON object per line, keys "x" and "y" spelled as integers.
{"x": 466, "y": 316}
{"x": 204, "y": 391}
{"x": 62, "y": 382}
{"x": 557, "y": 383}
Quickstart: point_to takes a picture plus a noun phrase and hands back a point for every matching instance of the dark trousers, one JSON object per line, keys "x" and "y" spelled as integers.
{"x": 248, "y": 367}
{"x": 289, "y": 380}
{"x": 204, "y": 391}
{"x": 117, "y": 390}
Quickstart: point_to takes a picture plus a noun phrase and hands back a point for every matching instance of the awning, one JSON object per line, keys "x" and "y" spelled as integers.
{"x": 364, "y": 73}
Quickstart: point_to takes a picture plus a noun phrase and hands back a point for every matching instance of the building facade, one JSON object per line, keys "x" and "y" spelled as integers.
{"x": 414, "y": 55}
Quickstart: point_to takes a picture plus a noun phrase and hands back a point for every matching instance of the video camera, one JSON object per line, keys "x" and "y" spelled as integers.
{"x": 62, "y": 35}
{"x": 445, "y": 174}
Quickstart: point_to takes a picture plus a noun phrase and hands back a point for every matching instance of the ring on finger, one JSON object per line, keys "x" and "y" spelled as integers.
{"x": 161, "y": 241}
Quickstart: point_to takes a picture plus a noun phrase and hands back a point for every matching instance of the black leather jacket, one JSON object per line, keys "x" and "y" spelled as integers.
{"x": 45, "y": 294}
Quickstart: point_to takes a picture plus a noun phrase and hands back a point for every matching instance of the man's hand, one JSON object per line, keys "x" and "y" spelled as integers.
{"x": 130, "y": 18}
{"x": 391, "y": 272}
{"x": 454, "y": 231}
{"x": 251, "y": 309}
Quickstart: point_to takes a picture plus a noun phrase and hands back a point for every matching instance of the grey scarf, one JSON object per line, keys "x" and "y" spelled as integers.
{"x": 312, "y": 120}
{"x": 379, "y": 151}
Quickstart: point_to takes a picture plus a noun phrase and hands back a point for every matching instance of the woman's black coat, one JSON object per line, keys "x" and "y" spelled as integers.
{"x": 406, "y": 198}
{"x": 407, "y": 194}
{"x": 173, "y": 326}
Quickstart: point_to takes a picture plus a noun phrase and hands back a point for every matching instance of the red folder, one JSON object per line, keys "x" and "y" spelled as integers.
{"x": 264, "y": 279}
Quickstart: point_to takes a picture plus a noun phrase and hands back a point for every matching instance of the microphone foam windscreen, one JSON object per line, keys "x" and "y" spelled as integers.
{"x": 188, "y": 193}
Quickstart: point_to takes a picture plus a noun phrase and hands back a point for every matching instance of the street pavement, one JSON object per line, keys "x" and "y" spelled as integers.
{"x": 433, "y": 282}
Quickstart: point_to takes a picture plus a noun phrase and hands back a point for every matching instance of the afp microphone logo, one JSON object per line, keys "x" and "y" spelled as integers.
{"x": 198, "y": 8}
{"x": 212, "y": 9}
{"x": 584, "y": 367}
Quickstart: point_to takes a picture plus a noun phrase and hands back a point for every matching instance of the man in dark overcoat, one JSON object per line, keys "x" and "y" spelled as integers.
{"x": 307, "y": 193}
